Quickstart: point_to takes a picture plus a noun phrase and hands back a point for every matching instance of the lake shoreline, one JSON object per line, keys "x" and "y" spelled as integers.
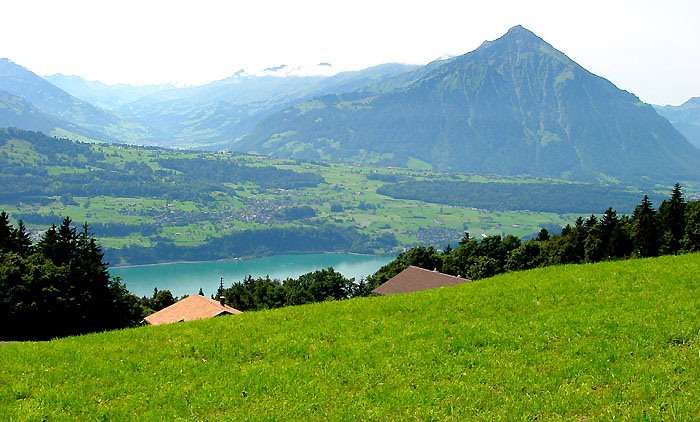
{"x": 240, "y": 259}
{"x": 187, "y": 278}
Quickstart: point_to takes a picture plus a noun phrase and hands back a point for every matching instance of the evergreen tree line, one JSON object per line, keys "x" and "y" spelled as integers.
{"x": 264, "y": 293}
{"x": 59, "y": 286}
{"x": 673, "y": 228}
{"x": 542, "y": 196}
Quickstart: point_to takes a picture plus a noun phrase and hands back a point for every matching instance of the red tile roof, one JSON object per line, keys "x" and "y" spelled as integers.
{"x": 414, "y": 279}
{"x": 190, "y": 308}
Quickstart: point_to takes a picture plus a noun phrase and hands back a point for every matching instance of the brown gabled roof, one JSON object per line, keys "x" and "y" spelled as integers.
{"x": 188, "y": 309}
{"x": 414, "y": 279}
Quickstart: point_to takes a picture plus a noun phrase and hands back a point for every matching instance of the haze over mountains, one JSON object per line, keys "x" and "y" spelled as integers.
{"x": 685, "y": 118}
{"x": 514, "y": 106}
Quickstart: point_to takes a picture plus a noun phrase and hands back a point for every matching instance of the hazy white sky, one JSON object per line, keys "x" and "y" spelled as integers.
{"x": 647, "y": 47}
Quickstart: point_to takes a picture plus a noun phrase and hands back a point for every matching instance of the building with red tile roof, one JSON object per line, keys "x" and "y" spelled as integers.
{"x": 415, "y": 279}
{"x": 189, "y": 309}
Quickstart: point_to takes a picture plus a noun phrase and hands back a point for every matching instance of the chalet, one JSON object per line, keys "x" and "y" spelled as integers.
{"x": 191, "y": 308}
{"x": 414, "y": 279}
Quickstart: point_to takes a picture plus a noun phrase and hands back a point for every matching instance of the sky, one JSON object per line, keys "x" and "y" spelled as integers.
{"x": 649, "y": 48}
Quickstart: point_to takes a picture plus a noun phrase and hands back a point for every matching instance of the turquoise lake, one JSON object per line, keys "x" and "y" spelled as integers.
{"x": 187, "y": 278}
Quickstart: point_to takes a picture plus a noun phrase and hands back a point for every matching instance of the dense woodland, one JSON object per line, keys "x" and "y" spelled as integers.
{"x": 262, "y": 242}
{"x": 58, "y": 286}
{"x": 542, "y": 196}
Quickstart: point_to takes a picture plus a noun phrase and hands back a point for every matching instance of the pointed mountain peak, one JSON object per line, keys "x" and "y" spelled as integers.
{"x": 519, "y": 33}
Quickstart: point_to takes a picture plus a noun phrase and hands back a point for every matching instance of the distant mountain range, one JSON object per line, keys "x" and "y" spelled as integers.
{"x": 109, "y": 97}
{"x": 17, "y": 112}
{"x": 215, "y": 114}
{"x": 685, "y": 118}
{"x": 18, "y": 81}
{"x": 513, "y": 106}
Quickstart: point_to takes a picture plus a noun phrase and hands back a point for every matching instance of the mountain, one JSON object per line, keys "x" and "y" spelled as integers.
{"x": 685, "y": 118}
{"x": 513, "y": 106}
{"x": 227, "y": 109}
{"x": 109, "y": 97}
{"x": 19, "y": 113}
{"x": 18, "y": 81}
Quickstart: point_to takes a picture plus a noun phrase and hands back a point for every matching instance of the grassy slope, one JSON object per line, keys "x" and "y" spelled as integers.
{"x": 588, "y": 342}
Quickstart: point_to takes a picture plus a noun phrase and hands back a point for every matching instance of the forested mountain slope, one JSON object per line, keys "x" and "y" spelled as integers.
{"x": 17, "y": 112}
{"x": 685, "y": 118}
{"x": 18, "y": 81}
{"x": 515, "y": 105}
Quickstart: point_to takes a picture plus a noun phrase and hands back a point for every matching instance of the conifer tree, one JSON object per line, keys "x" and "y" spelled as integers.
{"x": 48, "y": 244}
{"x": 672, "y": 214}
{"x": 6, "y": 233}
{"x": 645, "y": 234}
{"x": 22, "y": 241}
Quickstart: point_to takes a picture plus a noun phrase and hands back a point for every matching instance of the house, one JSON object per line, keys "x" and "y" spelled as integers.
{"x": 414, "y": 279}
{"x": 191, "y": 308}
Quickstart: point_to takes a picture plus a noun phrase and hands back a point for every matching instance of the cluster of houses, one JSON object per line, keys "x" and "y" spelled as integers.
{"x": 412, "y": 279}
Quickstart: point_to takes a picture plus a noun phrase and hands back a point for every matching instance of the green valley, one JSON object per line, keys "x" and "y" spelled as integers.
{"x": 152, "y": 205}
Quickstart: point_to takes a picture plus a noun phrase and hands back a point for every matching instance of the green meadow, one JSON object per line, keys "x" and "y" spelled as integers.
{"x": 607, "y": 341}
{"x": 347, "y": 196}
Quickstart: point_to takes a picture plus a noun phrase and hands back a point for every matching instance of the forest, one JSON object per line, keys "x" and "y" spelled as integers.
{"x": 269, "y": 241}
{"x": 59, "y": 286}
{"x": 542, "y": 196}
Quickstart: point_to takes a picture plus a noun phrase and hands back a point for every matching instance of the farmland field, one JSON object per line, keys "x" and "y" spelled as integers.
{"x": 152, "y": 205}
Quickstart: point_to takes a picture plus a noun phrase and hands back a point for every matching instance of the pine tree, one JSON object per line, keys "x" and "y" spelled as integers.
{"x": 591, "y": 222}
{"x": 22, "y": 241}
{"x": 67, "y": 240}
{"x": 673, "y": 218}
{"x": 645, "y": 234}
{"x": 6, "y": 233}
{"x": 48, "y": 245}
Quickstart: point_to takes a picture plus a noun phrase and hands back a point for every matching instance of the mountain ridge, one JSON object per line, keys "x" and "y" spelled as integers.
{"x": 685, "y": 118}
{"x": 21, "y": 82}
{"x": 515, "y": 105}
{"x": 19, "y": 113}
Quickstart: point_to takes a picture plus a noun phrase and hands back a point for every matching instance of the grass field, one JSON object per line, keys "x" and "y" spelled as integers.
{"x": 617, "y": 340}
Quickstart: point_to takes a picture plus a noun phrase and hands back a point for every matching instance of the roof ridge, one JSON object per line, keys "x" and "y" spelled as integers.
{"x": 435, "y": 271}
